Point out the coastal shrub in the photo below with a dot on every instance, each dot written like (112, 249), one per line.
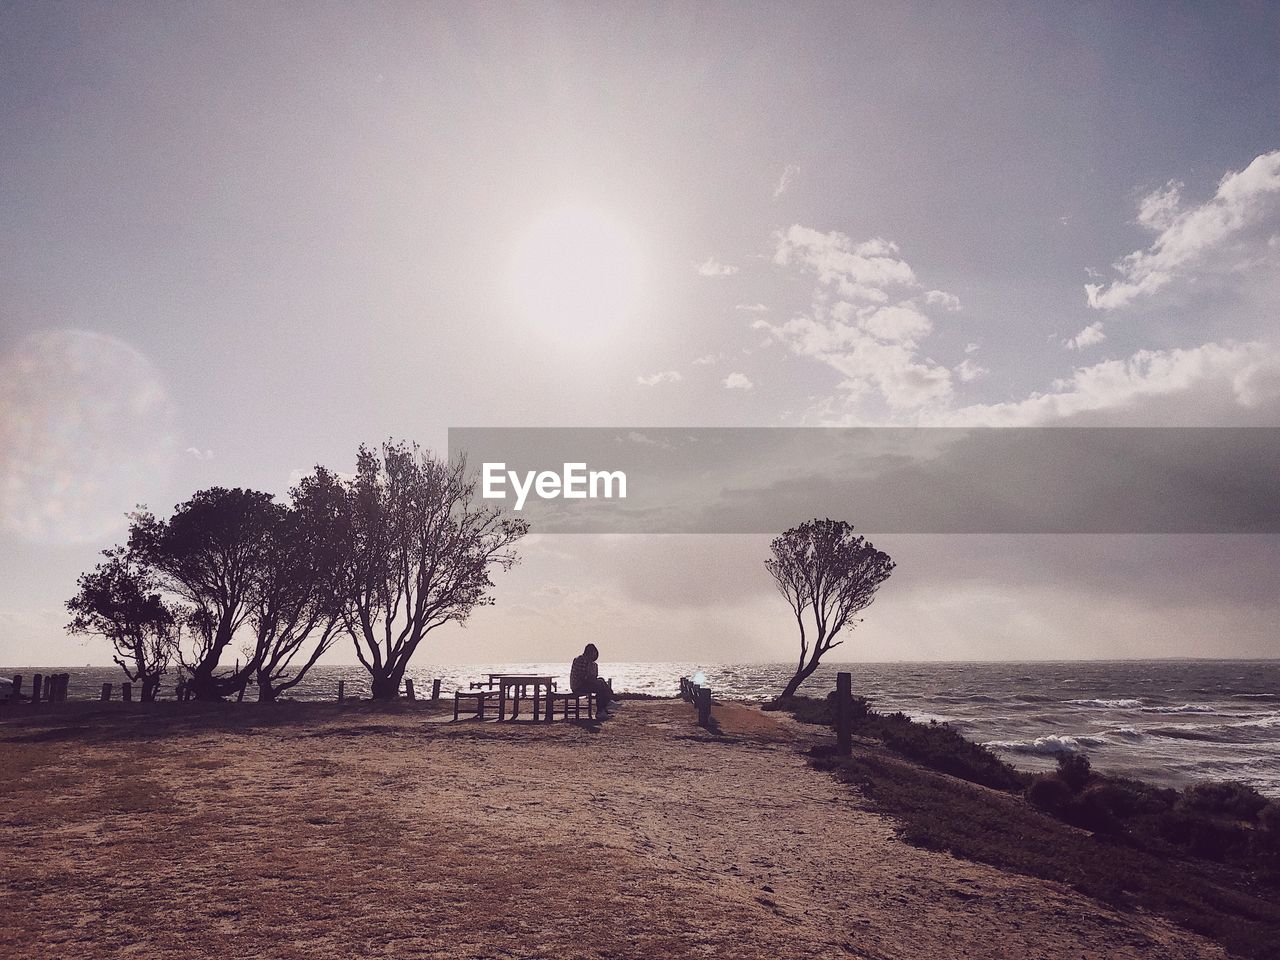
(940, 747)
(804, 709)
(1049, 793)
(1224, 798)
(1093, 809)
(1074, 770)
(1269, 817)
(935, 745)
(1205, 836)
(1134, 798)
(1106, 805)
(1234, 902)
(861, 706)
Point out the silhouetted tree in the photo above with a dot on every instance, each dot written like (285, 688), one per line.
(297, 604)
(821, 567)
(121, 601)
(211, 555)
(419, 551)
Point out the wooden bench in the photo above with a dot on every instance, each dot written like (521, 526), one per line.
(567, 699)
(479, 696)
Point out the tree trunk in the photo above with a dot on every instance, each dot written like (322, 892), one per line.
(387, 685)
(801, 676)
(266, 692)
(202, 685)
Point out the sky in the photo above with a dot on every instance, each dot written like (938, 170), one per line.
(238, 240)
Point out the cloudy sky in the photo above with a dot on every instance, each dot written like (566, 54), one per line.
(237, 240)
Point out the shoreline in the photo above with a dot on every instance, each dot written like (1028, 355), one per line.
(1171, 722)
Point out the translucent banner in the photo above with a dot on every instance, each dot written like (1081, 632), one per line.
(891, 480)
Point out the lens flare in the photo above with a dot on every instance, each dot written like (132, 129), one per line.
(86, 433)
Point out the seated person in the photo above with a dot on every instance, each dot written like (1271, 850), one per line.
(584, 677)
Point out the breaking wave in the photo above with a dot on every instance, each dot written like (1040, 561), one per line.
(1124, 704)
(1046, 746)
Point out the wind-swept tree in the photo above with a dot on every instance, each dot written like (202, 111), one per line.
(121, 601)
(296, 607)
(210, 555)
(828, 574)
(419, 554)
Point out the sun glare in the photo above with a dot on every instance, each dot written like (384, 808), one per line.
(575, 271)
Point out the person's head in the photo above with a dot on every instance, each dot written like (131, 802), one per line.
(591, 653)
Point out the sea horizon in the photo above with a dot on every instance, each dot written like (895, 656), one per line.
(1172, 721)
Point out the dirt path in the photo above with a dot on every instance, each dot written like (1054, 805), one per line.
(363, 833)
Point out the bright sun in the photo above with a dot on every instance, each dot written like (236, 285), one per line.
(575, 271)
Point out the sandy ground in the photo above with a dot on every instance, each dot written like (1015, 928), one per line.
(329, 832)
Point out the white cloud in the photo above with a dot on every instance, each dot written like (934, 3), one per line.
(869, 318)
(737, 381)
(199, 454)
(1158, 209)
(784, 182)
(941, 298)
(662, 376)
(711, 267)
(857, 271)
(752, 308)
(1192, 384)
(901, 323)
(1090, 336)
(1189, 236)
(870, 330)
(706, 360)
(968, 371)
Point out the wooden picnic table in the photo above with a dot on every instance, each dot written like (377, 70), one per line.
(518, 683)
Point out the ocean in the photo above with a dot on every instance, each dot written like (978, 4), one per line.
(1168, 721)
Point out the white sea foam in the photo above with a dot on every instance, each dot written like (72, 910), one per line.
(1185, 708)
(1127, 733)
(923, 716)
(1046, 746)
(1125, 704)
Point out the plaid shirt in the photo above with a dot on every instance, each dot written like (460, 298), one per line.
(583, 674)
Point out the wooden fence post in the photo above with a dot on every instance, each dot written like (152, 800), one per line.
(435, 690)
(844, 714)
(342, 690)
(704, 706)
(17, 686)
(126, 692)
(106, 693)
(37, 681)
(408, 689)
